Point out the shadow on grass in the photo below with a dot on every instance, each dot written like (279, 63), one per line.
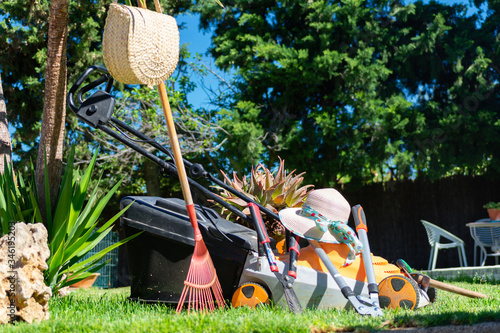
(444, 319)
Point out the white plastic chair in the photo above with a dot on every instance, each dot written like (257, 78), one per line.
(485, 236)
(434, 234)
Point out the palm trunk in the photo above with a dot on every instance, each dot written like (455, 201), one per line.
(5, 143)
(50, 150)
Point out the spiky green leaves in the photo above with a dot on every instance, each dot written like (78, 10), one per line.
(73, 225)
(273, 190)
(74, 231)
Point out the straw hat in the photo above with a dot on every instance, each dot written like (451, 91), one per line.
(320, 204)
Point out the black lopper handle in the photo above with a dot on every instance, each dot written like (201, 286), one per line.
(294, 250)
(262, 235)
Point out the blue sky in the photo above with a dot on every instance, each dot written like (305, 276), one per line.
(199, 42)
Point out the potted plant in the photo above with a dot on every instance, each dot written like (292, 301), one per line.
(87, 282)
(493, 209)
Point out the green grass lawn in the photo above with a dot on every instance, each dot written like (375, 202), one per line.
(108, 310)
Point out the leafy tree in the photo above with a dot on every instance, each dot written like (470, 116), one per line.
(36, 75)
(446, 63)
(23, 58)
(352, 90)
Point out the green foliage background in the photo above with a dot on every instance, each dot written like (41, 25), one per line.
(349, 91)
(360, 91)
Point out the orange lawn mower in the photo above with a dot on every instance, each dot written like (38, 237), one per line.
(326, 272)
(188, 254)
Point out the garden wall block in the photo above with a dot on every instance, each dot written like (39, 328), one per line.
(23, 259)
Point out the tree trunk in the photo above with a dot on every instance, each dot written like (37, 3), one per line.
(5, 144)
(54, 107)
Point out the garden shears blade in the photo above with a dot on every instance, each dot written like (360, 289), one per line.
(362, 305)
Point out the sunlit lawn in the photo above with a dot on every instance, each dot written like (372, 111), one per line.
(96, 310)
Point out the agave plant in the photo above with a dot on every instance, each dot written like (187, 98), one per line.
(73, 225)
(17, 199)
(275, 191)
(73, 228)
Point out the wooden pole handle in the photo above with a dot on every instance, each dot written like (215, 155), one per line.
(456, 290)
(174, 143)
(179, 162)
(451, 288)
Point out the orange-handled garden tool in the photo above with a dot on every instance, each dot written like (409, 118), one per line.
(360, 221)
(291, 298)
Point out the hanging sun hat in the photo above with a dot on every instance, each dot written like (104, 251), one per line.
(323, 217)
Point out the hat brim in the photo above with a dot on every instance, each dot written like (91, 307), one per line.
(303, 226)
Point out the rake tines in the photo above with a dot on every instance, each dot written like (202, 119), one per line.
(201, 282)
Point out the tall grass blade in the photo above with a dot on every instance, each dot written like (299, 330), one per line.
(37, 214)
(102, 204)
(82, 274)
(80, 192)
(48, 207)
(83, 221)
(55, 263)
(61, 214)
(17, 204)
(88, 241)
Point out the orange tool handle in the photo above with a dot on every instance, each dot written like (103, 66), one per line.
(359, 218)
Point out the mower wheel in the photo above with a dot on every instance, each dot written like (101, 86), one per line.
(398, 291)
(250, 294)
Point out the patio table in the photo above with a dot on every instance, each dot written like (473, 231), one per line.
(486, 235)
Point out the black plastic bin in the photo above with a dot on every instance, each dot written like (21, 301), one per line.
(159, 259)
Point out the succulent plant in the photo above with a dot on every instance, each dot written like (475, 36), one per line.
(492, 205)
(275, 191)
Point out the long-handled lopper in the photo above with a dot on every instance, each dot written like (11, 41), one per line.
(290, 296)
(363, 305)
(360, 221)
